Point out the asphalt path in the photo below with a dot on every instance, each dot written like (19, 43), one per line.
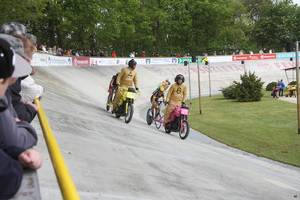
(109, 159)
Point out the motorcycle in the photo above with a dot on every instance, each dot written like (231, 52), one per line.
(125, 104)
(275, 92)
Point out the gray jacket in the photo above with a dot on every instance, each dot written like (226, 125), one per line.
(21, 133)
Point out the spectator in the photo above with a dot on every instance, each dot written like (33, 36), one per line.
(265, 50)
(122, 54)
(283, 49)
(44, 48)
(12, 157)
(68, 53)
(215, 53)
(64, 52)
(144, 54)
(94, 53)
(29, 90)
(178, 55)
(50, 50)
(136, 54)
(153, 54)
(77, 54)
(98, 54)
(113, 54)
(26, 111)
(242, 52)
(261, 51)
(13, 131)
(54, 51)
(281, 86)
(102, 54)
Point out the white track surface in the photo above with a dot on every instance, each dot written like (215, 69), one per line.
(109, 159)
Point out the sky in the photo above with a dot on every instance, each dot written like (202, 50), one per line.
(296, 2)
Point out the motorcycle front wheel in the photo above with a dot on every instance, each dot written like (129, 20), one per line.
(149, 117)
(183, 134)
(129, 114)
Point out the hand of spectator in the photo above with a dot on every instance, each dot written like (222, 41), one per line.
(32, 104)
(30, 158)
(16, 119)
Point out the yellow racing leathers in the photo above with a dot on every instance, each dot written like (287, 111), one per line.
(176, 95)
(125, 79)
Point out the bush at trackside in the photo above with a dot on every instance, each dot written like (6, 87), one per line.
(249, 89)
(228, 91)
(270, 86)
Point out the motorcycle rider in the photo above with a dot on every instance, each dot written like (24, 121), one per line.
(125, 79)
(176, 95)
(156, 96)
(112, 86)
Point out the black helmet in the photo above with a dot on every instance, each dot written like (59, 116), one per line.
(131, 63)
(117, 73)
(179, 76)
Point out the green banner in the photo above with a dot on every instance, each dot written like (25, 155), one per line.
(189, 59)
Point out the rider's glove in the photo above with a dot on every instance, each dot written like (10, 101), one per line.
(183, 104)
(166, 103)
(117, 85)
(137, 89)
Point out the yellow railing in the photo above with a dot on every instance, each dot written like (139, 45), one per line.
(67, 187)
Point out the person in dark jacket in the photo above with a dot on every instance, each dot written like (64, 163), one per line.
(12, 157)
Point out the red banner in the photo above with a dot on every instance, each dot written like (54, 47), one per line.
(77, 61)
(254, 57)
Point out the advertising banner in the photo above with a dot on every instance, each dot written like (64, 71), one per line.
(254, 57)
(78, 61)
(189, 59)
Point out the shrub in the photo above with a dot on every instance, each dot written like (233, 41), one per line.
(270, 86)
(228, 91)
(293, 83)
(250, 88)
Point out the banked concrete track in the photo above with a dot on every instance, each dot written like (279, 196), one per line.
(109, 159)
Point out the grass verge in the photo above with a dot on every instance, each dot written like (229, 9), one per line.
(267, 128)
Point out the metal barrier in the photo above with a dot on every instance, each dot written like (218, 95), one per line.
(67, 187)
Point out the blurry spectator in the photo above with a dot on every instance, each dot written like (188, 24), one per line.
(131, 55)
(68, 53)
(265, 50)
(13, 131)
(64, 52)
(102, 54)
(143, 54)
(178, 55)
(153, 54)
(157, 55)
(242, 52)
(89, 53)
(270, 51)
(122, 54)
(136, 54)
(273, 51)
(12, 157)
(77, 54)
(29, 90)
(113, 54)
(237, 52)
(260, 51)
(26, 111)
(54, 50)
(40, 47)
(94, 53)
(283, 49)
(44, 48)
(251, 52)
(50, 50)
(215, 53)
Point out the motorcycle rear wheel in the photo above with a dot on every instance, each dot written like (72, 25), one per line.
(149, 117)
(157, 124)
(183, 134)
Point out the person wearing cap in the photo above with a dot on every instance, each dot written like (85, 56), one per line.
(14, 131)
(29, 90)
(25, 112)
(12, 157)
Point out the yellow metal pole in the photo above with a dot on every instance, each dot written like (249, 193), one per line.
(64, 179)
(297, 78)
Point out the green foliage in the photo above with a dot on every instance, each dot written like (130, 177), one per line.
(249, 89)
(293, 83)
(270, 86)
(164, 27)
(228, 92)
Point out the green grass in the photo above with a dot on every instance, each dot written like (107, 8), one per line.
(266, 128)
